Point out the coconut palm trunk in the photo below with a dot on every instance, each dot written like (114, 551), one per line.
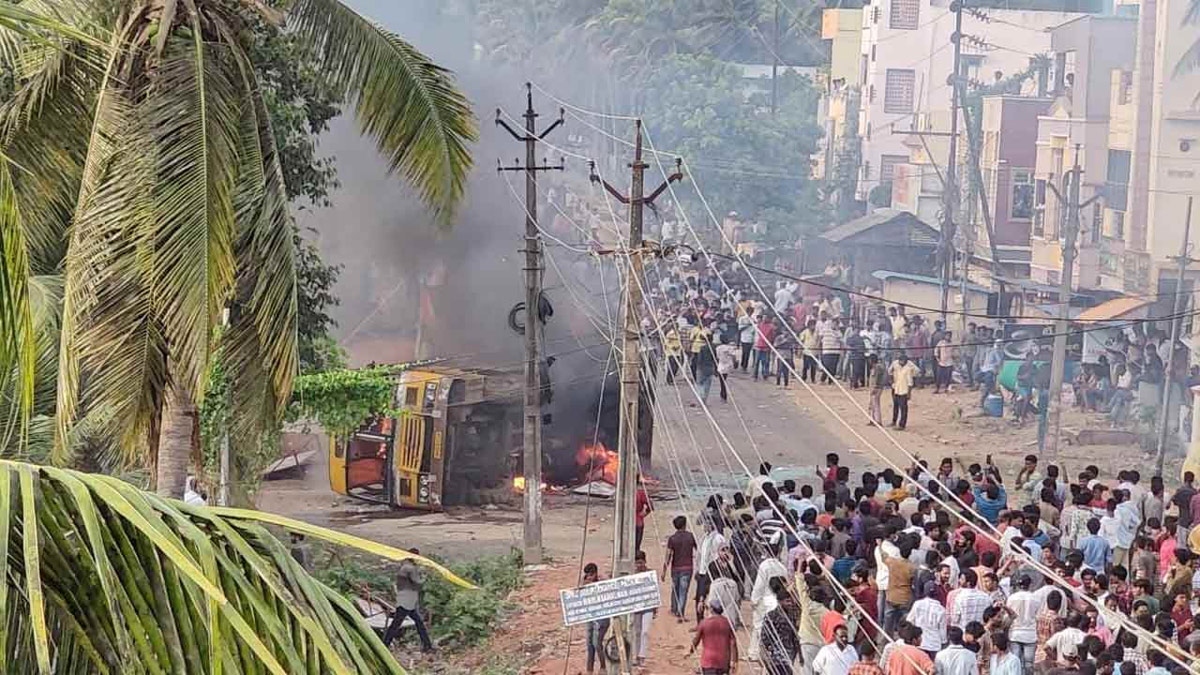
(175, 443)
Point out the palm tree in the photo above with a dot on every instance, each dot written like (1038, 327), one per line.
(99, 577)
(141, 175)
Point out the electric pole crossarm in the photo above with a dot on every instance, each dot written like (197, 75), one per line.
(505, 125)
(595, 178)
(554, 126)
(673, 178)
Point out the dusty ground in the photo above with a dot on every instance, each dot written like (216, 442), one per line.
(792, 429)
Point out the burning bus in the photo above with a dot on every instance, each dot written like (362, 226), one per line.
(456, 438)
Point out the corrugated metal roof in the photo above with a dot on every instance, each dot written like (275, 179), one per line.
(874, 219)
(1113, 309)
(884, 275)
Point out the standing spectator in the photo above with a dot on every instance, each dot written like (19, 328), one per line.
(780, 645)
(642, 621)
(943, 356)
(856, 348)
(903, 375)
(746, 336)
(763, 601)
(409, 579)
(1002, 661)
(867, 663)
(810, 343)
(673, 348)
(955, 659)
(989, 370)
(831, 350)
(704, 366)
(726, 364)
(681, 549)
(719, 655)
(762, 348)
(596, 630)
(785, 346)
(878, 382)
(1024, 607)
(1182, 499)
(642, 508)
(930, 616)
(837, 657)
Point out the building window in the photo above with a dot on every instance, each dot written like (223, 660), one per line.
(887, 166)
(875, 15)
(871, 93)
(1126, 92)
(1022, 195)
(905, 15)
(873, 52)
(1118, 224)
(1039, 221)
(1116, 190)
(898, 91)
(1097, 222)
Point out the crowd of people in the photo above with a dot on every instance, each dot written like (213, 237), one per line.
(821, 333)
(949, 570)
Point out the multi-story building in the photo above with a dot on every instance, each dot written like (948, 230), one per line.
(837, 152)
(1092, 55)
(907, 57)
(1167, 145)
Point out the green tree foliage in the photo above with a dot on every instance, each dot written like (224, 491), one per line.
(151, 183)
(99, 577)
(748, 160)
(676, 63)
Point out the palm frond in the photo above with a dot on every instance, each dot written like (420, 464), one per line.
(18, 345)
(192, 117)
(104, 211)
(409, 105)
(99, 577)
(260, 343)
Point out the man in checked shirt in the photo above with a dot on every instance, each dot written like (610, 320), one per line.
(968, 603)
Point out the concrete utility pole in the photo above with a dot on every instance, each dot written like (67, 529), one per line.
(1058, 364)
(631, 358)
(533, 347)
(950, 188)
(775, 64)
(1176, 322)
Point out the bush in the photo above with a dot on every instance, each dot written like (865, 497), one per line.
(457, 617)
(461, 617)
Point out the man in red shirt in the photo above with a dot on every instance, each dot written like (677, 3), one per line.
(762, 348)
(719, 653)
(640, 511)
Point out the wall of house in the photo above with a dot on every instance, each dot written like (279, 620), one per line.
(910, 293)
(1010, 124)
(1175, 134)
(927, 52)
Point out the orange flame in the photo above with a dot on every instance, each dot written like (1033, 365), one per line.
(597, 462)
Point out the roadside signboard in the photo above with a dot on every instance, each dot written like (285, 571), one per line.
(609, 598)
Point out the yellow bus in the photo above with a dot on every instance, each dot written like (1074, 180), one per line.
(455, 431)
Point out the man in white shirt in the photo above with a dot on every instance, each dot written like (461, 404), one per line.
(762, 600)
(955, 659)
(886, 549)
(929, 615)
(1023, 634)
(1065, 643)
(1128, 520)
(837, 657)
(1002, 661)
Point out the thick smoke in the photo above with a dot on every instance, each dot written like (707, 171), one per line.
(389, 247)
